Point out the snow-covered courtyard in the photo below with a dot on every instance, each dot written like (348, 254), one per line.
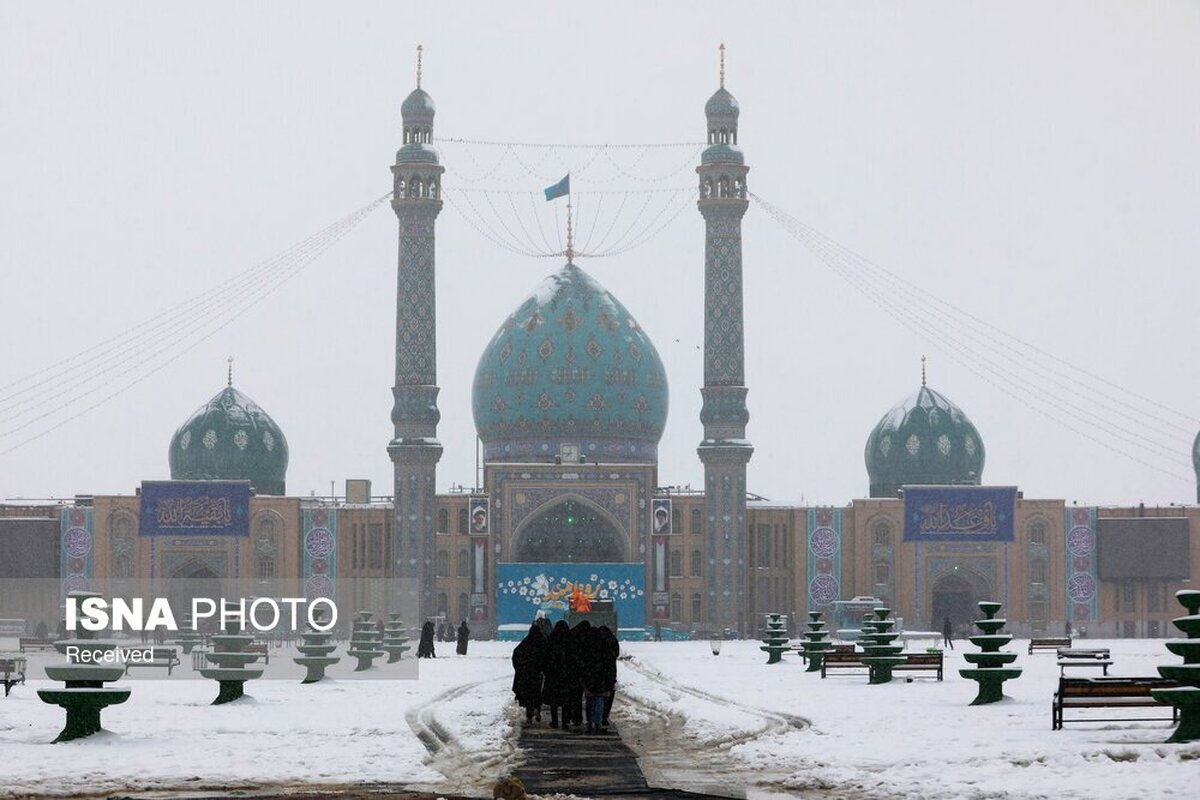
(727, 723)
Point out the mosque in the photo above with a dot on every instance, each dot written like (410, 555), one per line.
(570, 399)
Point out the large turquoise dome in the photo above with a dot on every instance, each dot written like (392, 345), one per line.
(570, 367)
(230, 438)
(924, 440)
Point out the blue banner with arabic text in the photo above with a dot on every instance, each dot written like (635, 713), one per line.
(959, 513)
(195, 508)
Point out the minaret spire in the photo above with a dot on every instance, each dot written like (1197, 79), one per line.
(414, 448)
(922, 370)
(570, 232)
(229, 372)
(725, 450)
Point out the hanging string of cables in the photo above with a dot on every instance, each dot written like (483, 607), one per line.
(111, 367)
(1071, 396)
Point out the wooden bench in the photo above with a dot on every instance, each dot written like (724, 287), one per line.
(159, 657)
(1049, 644)
(1098, 657)
(25, 643)
(13, 672)
(840, 659)
(1108, 693)
(917, 662)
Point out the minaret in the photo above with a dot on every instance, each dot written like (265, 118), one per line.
(725, 450)
(415, 449)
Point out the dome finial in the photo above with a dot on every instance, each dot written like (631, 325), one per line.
(922, 370)
(420, 48)
(722, 48)
(229, 372)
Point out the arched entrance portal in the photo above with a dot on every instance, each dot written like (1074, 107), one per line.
(191, 580)
(570, 532)
(956, 597)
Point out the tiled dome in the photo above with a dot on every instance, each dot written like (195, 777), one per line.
(570, 366)
(231, 438)
(925, 439)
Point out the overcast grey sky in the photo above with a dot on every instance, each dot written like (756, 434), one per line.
(1033, 163)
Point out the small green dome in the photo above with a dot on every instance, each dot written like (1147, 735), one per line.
(230, 438)
(570, 366)
(722, 104)
(418, 106)
(924, 440)
(722, 154)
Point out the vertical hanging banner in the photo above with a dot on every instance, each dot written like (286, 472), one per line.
(661, 514)
(479, 516)
(824, 559)
(75, 553)
(1082, 602)
(319, 527)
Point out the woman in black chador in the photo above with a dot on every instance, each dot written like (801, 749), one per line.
(529, 662)
(581, 657)
(425, 646)
(464, 633)
(562, 672)
(611, 650)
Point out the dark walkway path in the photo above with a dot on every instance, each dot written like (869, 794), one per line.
(566, 762)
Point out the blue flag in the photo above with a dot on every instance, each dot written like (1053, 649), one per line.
(560, 188)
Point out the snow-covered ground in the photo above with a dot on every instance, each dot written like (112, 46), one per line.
(696, 720)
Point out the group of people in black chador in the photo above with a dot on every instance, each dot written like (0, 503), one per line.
(571, 670)
(425, 645)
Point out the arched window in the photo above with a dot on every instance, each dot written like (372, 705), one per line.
(400, 185)
(676, 606)
(676, 564)
(464, 606)
(697, 521)
(464, 565)
(443, 564)
(266, 548)
(1037, 533)
(443, 523)
(881, 534)
(676, 520)
(697, 564)
(697, 608)
(463, 520)
(443, 604)
(120, 542)
(1037, 571)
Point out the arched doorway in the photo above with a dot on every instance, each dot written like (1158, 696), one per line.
(957, 596)
(570, 531)
(191, 580)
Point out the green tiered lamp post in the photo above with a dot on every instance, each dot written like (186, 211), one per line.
(1187, 696)
(84, 675)
(231, 672)
(364, 641)
(316, 652)
(395, 638)
(775, 640)
(815, 645)
(188, 636)
(880, 652)
(989, 669)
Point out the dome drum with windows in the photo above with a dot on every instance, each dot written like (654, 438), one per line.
(231, 438)
(924, 440)
(570, 367)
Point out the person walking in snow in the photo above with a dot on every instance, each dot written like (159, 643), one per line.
(425, 645)
(948, 633)
(464, 634)
(529, 663)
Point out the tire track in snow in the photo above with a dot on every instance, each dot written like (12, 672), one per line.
(463, 768)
